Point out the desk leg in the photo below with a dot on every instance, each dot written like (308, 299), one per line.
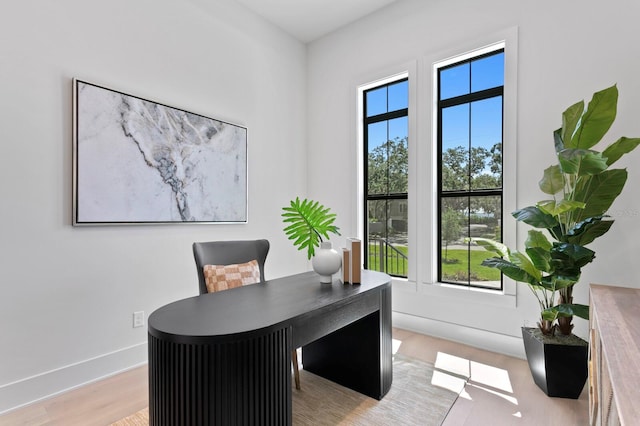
(359, 355)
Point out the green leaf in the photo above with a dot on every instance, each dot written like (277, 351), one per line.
(523, 262)
(510, 270)
(569, 258)
(617, 149)
(307, 222)
(540, 258)
(588, 230)
(537, 247)
(493, 246)
(597, 119)
(549, 314)
(548, 283)
(537, 239)
(566, 310)
(555, 282)
(581, 162)
(535, 217)
(558, 142)
(570, 120)
(552, 181)
(598, 192)
(555, 209)
(564, 281)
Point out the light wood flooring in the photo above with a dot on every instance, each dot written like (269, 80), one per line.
(499, 392)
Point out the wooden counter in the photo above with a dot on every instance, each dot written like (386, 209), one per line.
(614, 356)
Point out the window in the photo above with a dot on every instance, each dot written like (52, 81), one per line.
(470, 111)
(386, 137)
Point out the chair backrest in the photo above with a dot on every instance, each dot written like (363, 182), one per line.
(227, 253)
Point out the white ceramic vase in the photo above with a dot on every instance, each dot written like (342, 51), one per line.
(326, 262)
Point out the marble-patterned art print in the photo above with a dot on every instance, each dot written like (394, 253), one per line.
(138, 161)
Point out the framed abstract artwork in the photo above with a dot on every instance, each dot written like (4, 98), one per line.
(136, 161)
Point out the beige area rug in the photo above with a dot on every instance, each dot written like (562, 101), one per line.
(141, 418)
(420, 395)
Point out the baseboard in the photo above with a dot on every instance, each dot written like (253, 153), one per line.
(494, 342)
(35, 388)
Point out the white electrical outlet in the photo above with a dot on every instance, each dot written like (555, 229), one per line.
(138, 319)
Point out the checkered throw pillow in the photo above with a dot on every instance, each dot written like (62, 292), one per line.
(223, 277)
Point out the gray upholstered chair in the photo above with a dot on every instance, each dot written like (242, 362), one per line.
(222, 253)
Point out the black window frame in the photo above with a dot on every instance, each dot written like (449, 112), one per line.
(441, 194)
(386, 116)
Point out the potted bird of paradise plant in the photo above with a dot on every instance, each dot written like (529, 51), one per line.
(580, 189)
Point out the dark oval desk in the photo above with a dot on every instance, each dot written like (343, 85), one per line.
(225, 358)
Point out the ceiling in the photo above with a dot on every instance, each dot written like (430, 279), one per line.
(308, 20)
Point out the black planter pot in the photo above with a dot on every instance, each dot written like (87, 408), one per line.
(559, 365)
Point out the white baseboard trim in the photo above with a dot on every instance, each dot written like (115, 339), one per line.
(44, 385)
(487, 340)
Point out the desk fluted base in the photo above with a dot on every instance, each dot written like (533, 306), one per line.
(245, 382)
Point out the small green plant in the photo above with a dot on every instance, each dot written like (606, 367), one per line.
(580, 188)
(308, 221)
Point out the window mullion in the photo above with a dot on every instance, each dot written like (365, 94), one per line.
(470, 146)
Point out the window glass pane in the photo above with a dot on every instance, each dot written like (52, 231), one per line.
(377, 219)
(399, 96)
(377, 161)
(486, 143)
(462, 217)
(454, 81)
(485, 213)
(398, 128)
(454, 223)
(376, 134)
(387, 236)
(398, 157)
(455, 151)
(376, 101)
(484, 221)
(487, 72)
(377, 158)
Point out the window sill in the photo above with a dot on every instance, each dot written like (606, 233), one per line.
(467, 294)
(459, 294)
(404, 284)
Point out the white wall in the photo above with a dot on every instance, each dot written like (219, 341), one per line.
(567, 50)
(68, 294)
